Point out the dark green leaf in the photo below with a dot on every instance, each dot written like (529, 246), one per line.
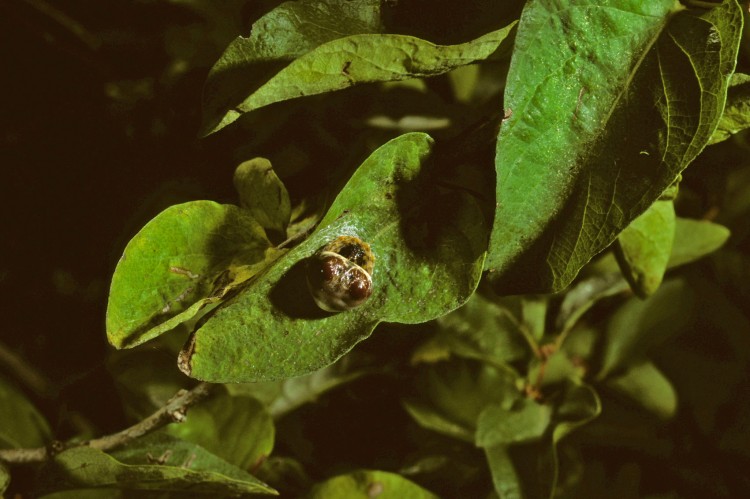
(238, 429)
(499, 425)
(646, 385)
(643, 248)
(263, 194)
(429, 249)
(736, 115)
(369, 484)
(84, 467)
(483, 330)
(452, 395)
(611, 101)
(187, 257)
(284, 34)
(283, 396)
(639, 325)
(363, 58)
(21, 425)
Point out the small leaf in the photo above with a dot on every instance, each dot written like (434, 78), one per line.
(736, 115)
(643, 248)
(263, 195)
(428, 246)
(647, 386)
(282, 35)
(84, 467)
(21, 425)
(189, 256)
(694, 239)
(364, 58)
(499, 425)
(369, 484)
(611, 101)
(238, 429)
(427, 417)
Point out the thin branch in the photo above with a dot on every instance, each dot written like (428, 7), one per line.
(66, 22)
(173, 412)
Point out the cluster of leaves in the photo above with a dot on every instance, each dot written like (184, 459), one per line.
(525, 346)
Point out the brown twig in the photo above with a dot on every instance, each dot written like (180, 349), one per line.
(173, 412)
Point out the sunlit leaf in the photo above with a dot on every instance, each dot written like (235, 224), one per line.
(610, 102)
(189, 256)
(84, 467)
(358, 59)
(282, 35)
(263, 195)
(643, 248)
(429, 249)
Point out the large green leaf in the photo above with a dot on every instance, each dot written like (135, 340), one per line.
(429, 248)
(610, 101)
(368, 484)
(186, 258)
(238, 429)
(736, 115)
(4, 479)
(287, 32)
(21, 425)
(194, 471)
(357, 59)
(499, 425)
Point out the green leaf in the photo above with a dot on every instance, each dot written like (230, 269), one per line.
(505, 476)
(498, 425)
(282, 35)
(362, 58)
(283, 396)
(368, 484)
(736, 115)
(580, 406)
(429, 248)
(611, 101)
(482, 330)
(21, 425)
(4, 479)
(452, 395)
(263, 195)
(189, 256)
(694, 239)
(646, 385)
(639, 325)
(236, 428)
(644, 247)
(84, 467)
